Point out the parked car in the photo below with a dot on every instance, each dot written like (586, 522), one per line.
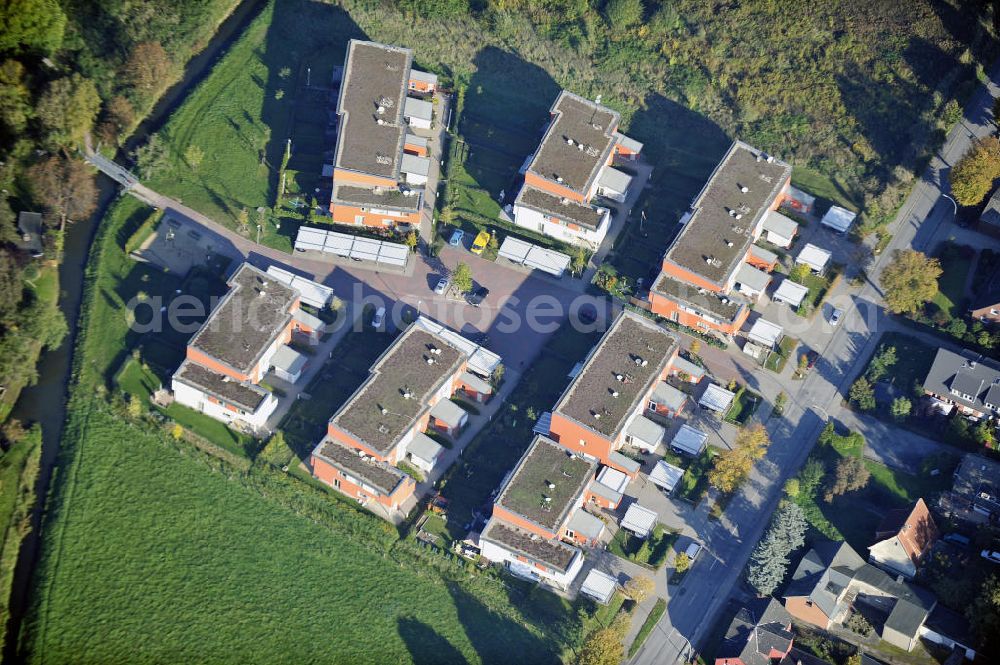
(693, 550)
(456, 238)
(479, 244)
(957, 539)
(441, 286)
(477, 296)
(990, 555)
(378, 320)
(836, 315)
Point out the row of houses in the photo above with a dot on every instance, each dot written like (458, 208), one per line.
(545, 512)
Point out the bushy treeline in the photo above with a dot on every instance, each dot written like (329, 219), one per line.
(68, 69)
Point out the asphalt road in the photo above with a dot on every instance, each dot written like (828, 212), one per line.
(694, 607)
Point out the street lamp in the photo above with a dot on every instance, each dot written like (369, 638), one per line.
(953, 203)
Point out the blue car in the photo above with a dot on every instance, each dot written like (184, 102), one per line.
(456, 238)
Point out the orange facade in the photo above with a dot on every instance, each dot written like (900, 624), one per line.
(760, 264)
(688, 277)
(349, 214)
(607, 504)
(345, 176)
(336, 479)
(502, 513)
(421, 86)
(254, 376)
(418, 150)
(579, 439)
(553, 188)
(668, 309)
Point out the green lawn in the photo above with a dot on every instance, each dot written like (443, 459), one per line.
(778, 358)
(744, 405)
(647, 626)
(956, 261)
(651, 552)
(913, 359)
(819, 287)
(694, 483)
(179, 564)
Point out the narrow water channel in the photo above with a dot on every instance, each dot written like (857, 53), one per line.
(45, 402)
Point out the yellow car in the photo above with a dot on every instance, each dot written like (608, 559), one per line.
(479, 244)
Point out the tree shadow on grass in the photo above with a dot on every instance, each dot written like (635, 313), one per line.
(426, 646)
(496, 638)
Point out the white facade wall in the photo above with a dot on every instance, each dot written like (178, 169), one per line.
(498, 554)
(418, 122)
(196, 399)
(780, 241)
(415, 179)
(265, 360)
(533, 220)
(611, 194)
(890, 554)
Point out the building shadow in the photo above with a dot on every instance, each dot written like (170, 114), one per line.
(497, 639)
(425, 645)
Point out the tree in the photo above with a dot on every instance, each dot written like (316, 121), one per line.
(639, 588)
(607, 277)
(984, 615)
(151, 157)
(147, 67)
(793, 487)
(996, 111)
(849, 475)
(811, 476)
(900, 408)
(623, 14)
(15, 98)
(769, 560)
(732, 467)
(799, 273)
(31, 26)
(972, 177)
(984, 434)
(881, 363)
(604, 646)
(64, 187)
(11, 287)
(176, 431)
(461, 279)
(411, 240)
(682, 563)
(909, 281)
(67, 109)
(862, 394)
(193, 156)
(579, 261)
(133, 407)
(117, 118)
(695, 347)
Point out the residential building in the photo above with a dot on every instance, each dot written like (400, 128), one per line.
(904, 537)
(989, 220)
(378, 170)
(571, 167)
(832, 581)
(29, 233)
(244, 337)
(407, 393)
(966, 382)
(975, 492)
(708, 279)
(986, 308)
(761, 634)
(613, 388)
(538, 524)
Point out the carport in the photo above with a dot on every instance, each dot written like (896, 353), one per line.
(839, 219)
(312, 293)
(790, 292)
(666, 476)
(639, 520)
(532, 256)
(766, 334)
(689, 440)
(716, 398)
(644, 434)
(599, 586)
(815, 257)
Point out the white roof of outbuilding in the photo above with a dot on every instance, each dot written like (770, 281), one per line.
(482, 361)
(599, 586)
(689, 439)
(613, 478)
(765, 333)
(533, 256)
(639, 520)
(355, 247)
(615, 180)
(839, 219)
(762, 254)
(814, 257)
(418, 108)
(419, 141)
(448, 412)
(415, 165)
(775, 222)
(716, 398)
(668, 396)
(479, 384)
(688, 367)
(666, 475)
(646, 430)
(752, 278)
(424, 447)
(629, 143)
(312, 293)
(304, 317)
(288, 359)
(790, 292)
(585, 524)
(417, 75)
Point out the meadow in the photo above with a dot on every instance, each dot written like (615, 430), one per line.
(855, 96)
(154, 550)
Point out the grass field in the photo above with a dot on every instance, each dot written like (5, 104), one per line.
(956, 261)
(153, 551)
(152, 557)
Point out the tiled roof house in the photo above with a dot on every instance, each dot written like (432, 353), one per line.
(904, 536)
